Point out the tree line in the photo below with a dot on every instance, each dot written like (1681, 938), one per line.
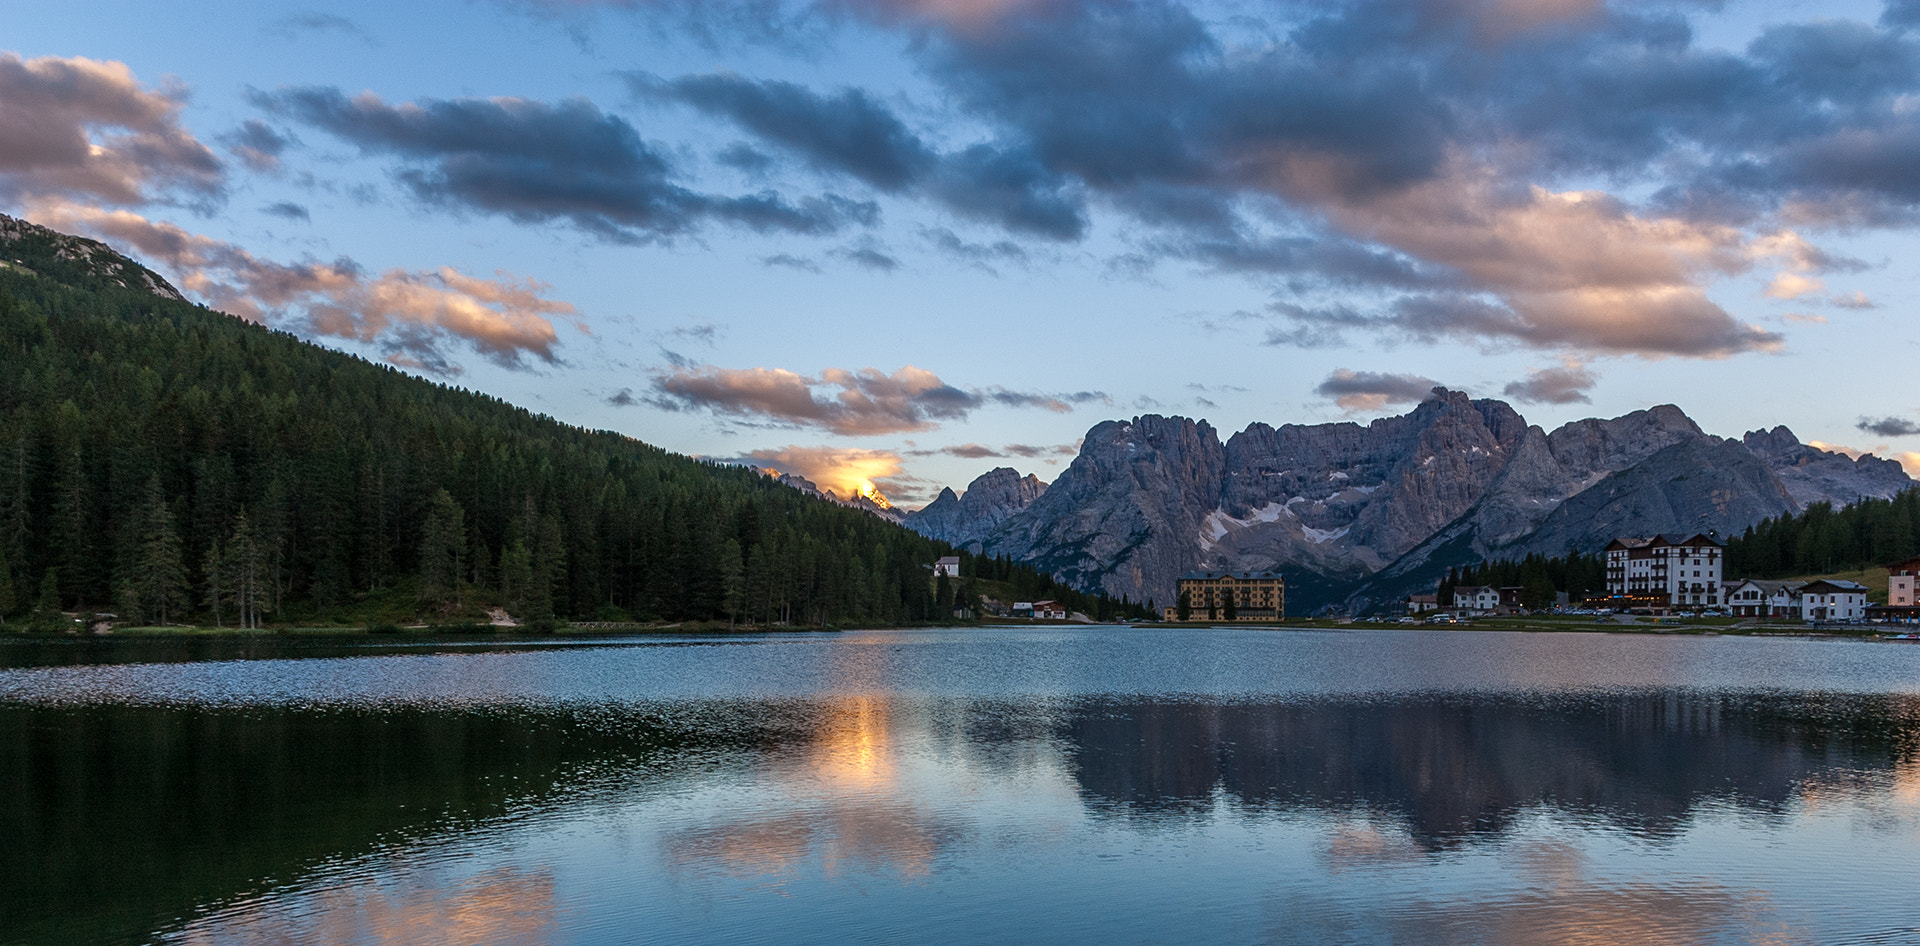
(167, 462)
(1822, 539)
(1538, 577)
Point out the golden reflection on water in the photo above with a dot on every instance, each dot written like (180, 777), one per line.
(837, 802)
(506, 906)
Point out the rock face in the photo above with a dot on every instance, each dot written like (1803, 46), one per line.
(80, 257)
(1383, 509)
(967, 520)
(1812, 475)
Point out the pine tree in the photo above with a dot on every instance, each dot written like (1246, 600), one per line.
(443, 544)
(159, 583)
(733, 584)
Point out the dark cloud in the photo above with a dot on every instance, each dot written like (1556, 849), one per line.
(1889, 426)
(869, 256)
(287, 210)
(1567, 384)
(1371, 391)
(623, 398)
(791, 261)
(1403, 145)
(849, 132)
(1031, 451)
(537, 161)
(296, 25)
(846, 131)
(851, 403)
(257, 145)
(982, 255)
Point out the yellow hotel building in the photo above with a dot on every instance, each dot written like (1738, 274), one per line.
(1256, 596)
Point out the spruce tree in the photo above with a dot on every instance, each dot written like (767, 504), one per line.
(159, 583)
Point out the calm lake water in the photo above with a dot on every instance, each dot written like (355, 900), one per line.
(1098, 785)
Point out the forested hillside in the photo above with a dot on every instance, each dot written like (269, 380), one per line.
(1824, 539)
(168, 462)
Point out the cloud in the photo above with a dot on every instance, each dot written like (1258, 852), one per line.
(850, 403)
(1567, 384)
(286, 210)
(1371, 391)
(791, 261)
(981, 255)
(1031, 451)
(868, 255)
(257, 145)
(1889, 426)
(1240, 143)
(846, 471)
(1851, 300)
(535, 161)
(850, 132)
(296, 25)
(1909, 461)
(411, 315)
(88, 129)
(622, 398)
(975, 451)
(1805, 318)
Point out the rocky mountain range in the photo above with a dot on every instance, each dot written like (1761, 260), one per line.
(1363, 514)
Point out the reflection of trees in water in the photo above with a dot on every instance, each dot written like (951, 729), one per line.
(1456, 768)
(119, 818)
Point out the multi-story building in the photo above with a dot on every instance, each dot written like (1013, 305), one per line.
(1476, 598)
(1901, 578)
(1830, 599)
(1254, 596)
(1763, 599)
(1667, 570)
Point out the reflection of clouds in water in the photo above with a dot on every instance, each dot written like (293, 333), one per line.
(1559, 900)
(838, 801)
(840, 836)
(395, 904)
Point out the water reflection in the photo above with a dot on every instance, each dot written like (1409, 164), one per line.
(410, 905)
(1458, 768)
(522, 811)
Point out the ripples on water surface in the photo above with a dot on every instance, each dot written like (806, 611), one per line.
(961, 786)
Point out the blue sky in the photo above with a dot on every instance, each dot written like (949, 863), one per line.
(909, 240)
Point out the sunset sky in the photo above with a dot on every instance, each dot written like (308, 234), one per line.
(909, 240)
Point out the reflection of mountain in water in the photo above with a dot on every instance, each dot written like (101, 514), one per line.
(1457, 768)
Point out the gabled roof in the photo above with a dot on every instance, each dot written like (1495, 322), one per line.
(1832, 586)
(1242, 576)
(1770, 587)
(1909, 566)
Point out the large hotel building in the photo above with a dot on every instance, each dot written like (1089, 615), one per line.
(1252, 596)
(1669, 571)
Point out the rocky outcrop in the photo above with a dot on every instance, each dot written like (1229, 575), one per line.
(1812, 475)
(1387, 507)
(1124, 516)
(1700, 485)
(78, 258)
(967, 520)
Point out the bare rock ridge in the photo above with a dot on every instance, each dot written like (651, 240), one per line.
(1367, 513)
(90, 258)
(1812, 475)
(967, 520)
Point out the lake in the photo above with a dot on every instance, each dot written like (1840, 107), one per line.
(990, 785)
